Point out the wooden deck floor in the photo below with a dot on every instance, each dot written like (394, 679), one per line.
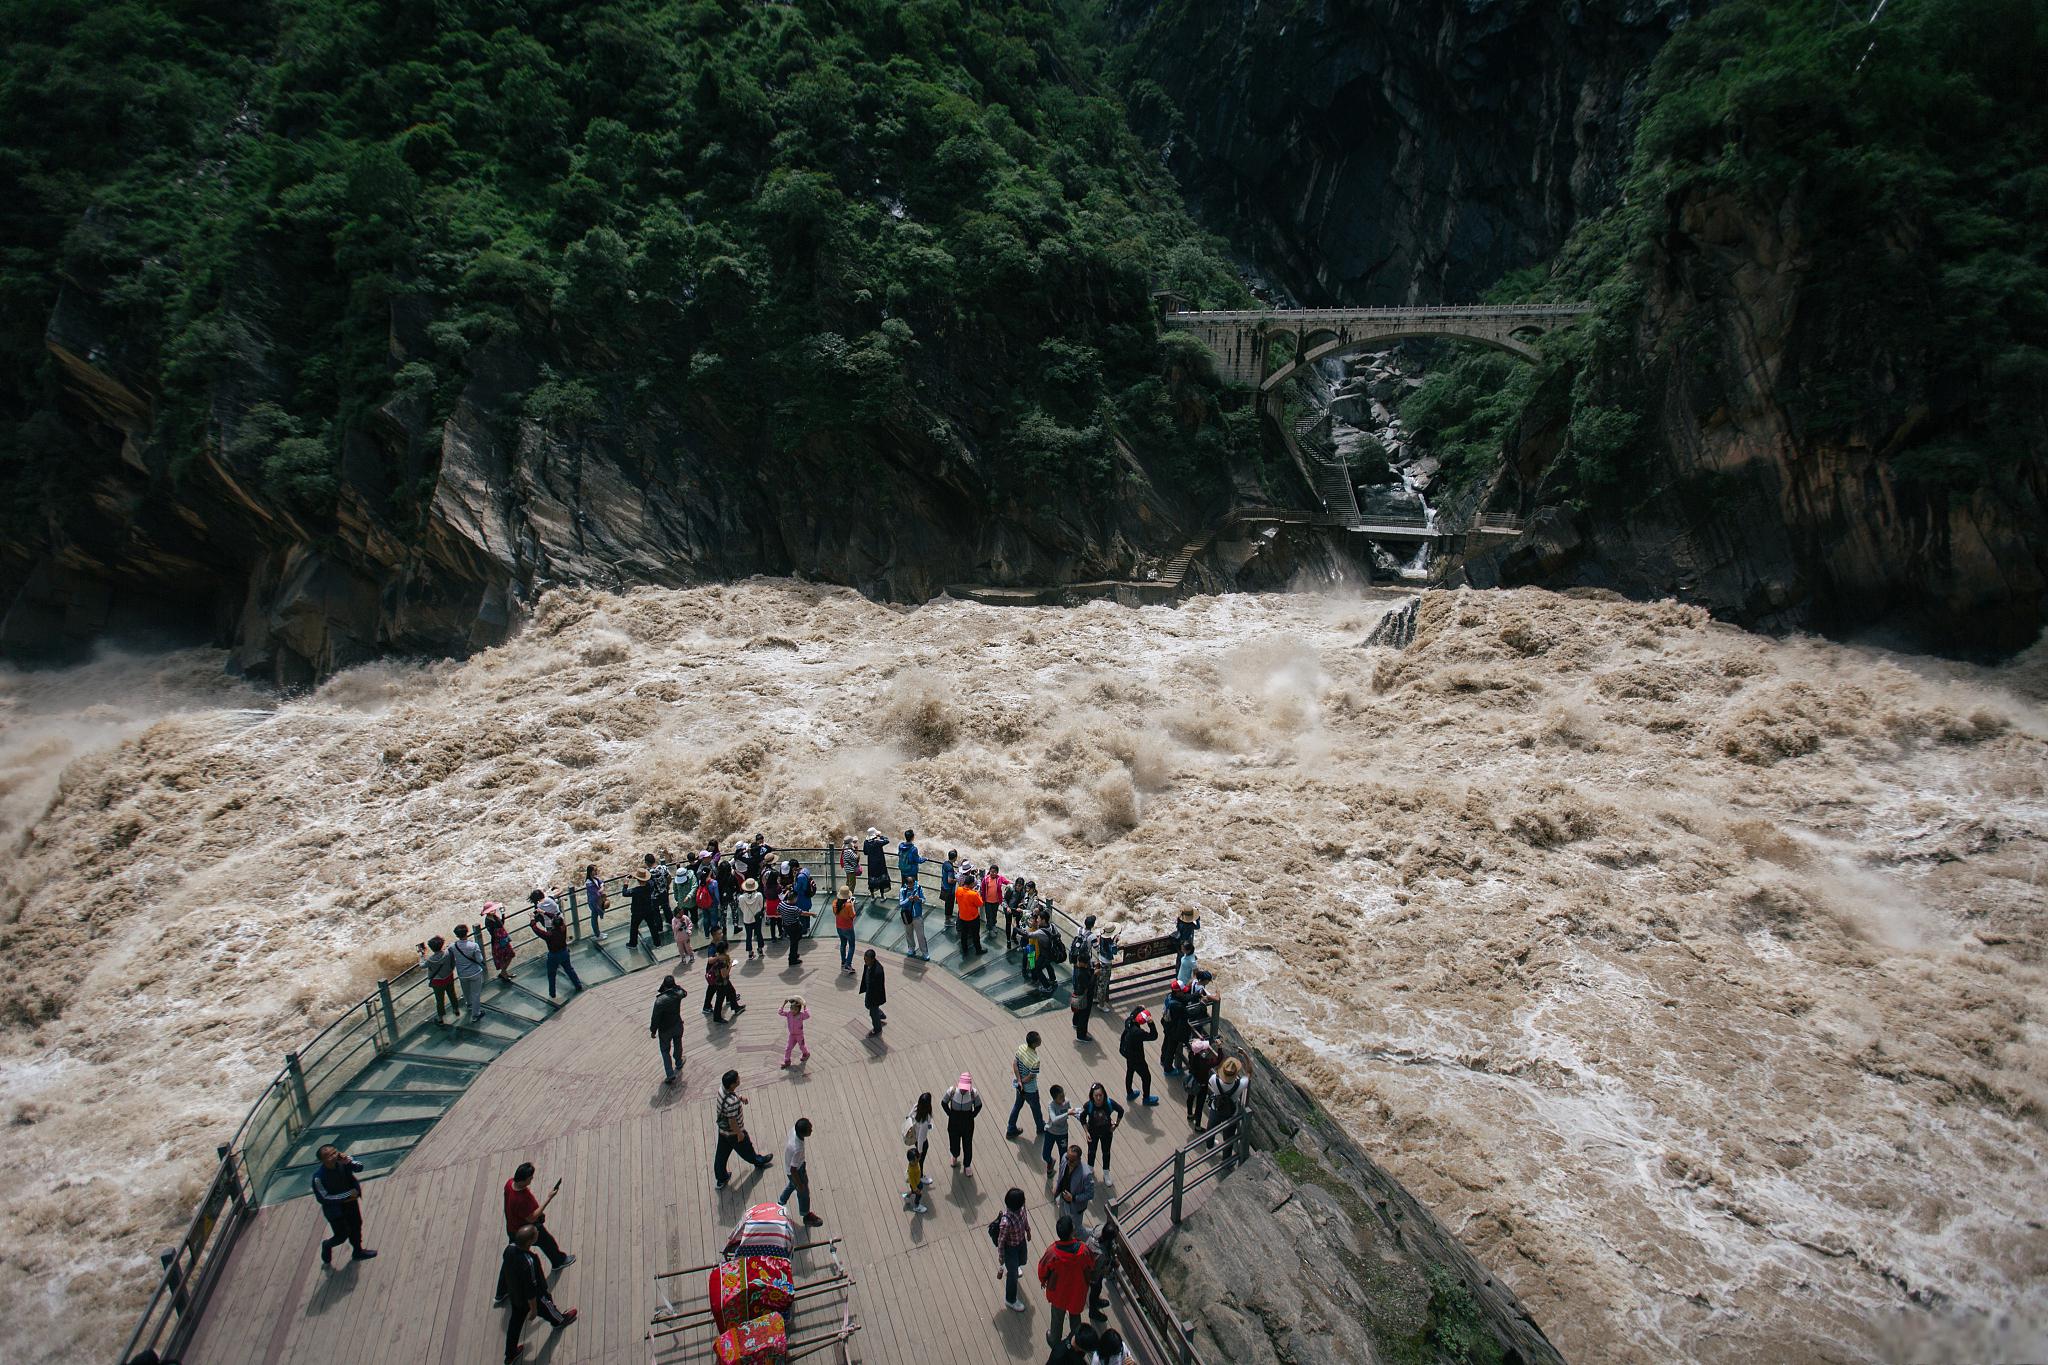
(581, 1098)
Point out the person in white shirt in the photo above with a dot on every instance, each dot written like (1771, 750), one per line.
(796, 1161)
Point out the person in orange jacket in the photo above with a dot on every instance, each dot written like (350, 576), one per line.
(1063, 1272)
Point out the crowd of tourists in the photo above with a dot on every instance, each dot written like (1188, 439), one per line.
(702, 903)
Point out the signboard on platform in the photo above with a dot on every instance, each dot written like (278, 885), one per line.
(1144, 950)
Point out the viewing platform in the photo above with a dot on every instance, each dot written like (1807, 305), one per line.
(582, 1099)
(439, 1117)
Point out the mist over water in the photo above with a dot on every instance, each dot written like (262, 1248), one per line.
(1693, 977)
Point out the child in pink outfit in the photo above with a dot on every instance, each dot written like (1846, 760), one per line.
(794, 1013)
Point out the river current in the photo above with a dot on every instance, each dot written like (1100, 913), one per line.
(1694, 978)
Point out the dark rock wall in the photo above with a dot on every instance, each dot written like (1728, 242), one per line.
(443, 530)
(1393, 151)
(1736, 502)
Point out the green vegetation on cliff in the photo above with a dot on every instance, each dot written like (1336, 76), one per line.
(853, 230)
(1892, 177)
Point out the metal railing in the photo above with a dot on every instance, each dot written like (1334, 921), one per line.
(1163, 1190)
(1382, 313)
(368, 1032)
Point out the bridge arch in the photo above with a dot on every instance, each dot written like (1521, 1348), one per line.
(1515, 343)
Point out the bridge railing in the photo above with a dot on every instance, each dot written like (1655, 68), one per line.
(1432, 311)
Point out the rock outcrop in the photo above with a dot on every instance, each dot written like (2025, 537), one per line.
(1380, 151)
(1310, 1254)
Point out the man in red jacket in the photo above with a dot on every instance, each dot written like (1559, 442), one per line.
(1063, 1270)
(522, 1208)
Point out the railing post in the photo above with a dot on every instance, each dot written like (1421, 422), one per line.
(301, 1105)
(832, 868)
(390, 1015)
(1180, 1174)
(235, 1191)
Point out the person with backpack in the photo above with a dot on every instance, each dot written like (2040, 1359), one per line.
(1024, 1068)
(704, 899)
(526, 1290)
(1138, 1031)
(1010, 1230)
(908, 859)
(439, 965)
(665, 1026)
(949, 882)
(595, 898)
(1081, 993)
(718, 988)
(874, 992)
(1227, 1089)
(911, 906)
(754, 856)
(962, 1105)
(1100, 1117)
(1063, 1272)
(917, 1144)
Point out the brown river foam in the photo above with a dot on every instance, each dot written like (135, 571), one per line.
(1694, 978)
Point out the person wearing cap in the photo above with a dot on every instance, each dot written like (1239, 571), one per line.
(753, 909)
(1138, 1031)
(962, 1105)
(553, 931)
(877, 850)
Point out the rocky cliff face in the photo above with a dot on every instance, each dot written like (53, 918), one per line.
(509, 506)
(1391, 151)
(1741, 501)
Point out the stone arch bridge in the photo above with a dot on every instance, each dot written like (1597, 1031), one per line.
(1243, 340)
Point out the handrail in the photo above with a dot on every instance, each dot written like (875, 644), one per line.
(290, 1101)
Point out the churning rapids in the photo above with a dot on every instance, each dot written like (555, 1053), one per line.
(1695, 978)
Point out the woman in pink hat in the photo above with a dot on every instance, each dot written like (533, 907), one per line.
(962, 1104)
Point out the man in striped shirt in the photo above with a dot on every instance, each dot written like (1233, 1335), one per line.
(732, 1132)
